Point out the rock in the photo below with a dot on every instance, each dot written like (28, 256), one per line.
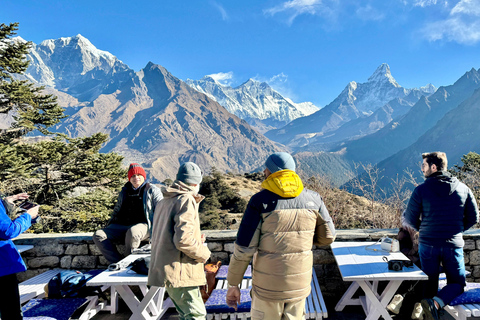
(48, 262)
(77, 249)
(84, 262)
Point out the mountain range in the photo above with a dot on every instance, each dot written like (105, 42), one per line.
(356, 101)
(256, 102)
(158, 120)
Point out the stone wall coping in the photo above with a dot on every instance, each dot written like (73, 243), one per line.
(224, 235)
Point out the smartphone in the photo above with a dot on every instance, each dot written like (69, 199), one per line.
(26, 205)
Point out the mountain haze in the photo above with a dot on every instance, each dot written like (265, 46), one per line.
(404, 131)
(456, 133)
(357, 100)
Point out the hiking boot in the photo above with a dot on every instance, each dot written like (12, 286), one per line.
(395, 304)
(429, 309)
(417, 311)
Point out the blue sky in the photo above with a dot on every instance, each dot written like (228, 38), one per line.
(307, 49)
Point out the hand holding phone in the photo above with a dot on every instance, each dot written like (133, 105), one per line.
(25, 205)
(31, 208)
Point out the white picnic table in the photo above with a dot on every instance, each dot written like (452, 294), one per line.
(152, 306)
(362, 263)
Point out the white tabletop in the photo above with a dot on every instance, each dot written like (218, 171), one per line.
(23, 247)
(359, 261)
(121, 277)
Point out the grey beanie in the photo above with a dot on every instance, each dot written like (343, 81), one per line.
(189, 173)
(280, 161)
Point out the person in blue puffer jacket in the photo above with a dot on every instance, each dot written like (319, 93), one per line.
(441, 209)
(10, 260)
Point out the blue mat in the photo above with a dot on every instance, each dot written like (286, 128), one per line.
(222, 272)
(216, 303)
(51, 309)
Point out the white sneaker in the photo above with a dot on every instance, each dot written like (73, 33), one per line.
(417, 311)
(395, 304)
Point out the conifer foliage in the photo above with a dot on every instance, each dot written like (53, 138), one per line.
(74, 183)
(20, 99)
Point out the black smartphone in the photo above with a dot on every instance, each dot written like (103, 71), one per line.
(27, 205)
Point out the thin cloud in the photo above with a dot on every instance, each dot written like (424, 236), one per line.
(221, 9)
(462, 24)
(292, 9)
(425, 3)
(370, 13)
(224, 78)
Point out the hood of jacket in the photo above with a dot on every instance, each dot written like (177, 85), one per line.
(285, 183)
(442, 183)
(179, 188)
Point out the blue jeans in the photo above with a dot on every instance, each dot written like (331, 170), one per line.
(431, 258)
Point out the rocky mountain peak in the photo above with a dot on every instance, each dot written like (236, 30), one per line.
(383, 74)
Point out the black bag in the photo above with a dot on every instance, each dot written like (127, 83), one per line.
(70, 284)
(141, 265)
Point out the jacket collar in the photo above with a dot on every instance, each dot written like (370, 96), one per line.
(285, 183)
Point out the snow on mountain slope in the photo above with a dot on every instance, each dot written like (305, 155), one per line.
(253, 101)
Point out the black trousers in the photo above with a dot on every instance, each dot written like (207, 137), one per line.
(10, 308)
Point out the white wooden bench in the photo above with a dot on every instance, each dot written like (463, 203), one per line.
(34, 288)
(464, 311)
(315, 307)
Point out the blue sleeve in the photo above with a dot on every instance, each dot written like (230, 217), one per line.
(10, 229)
(470, 216)
(414, 210)
(249, 224)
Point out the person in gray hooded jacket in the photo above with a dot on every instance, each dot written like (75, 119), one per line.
(441, 209)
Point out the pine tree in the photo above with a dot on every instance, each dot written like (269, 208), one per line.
(20, 100)
(75, 184)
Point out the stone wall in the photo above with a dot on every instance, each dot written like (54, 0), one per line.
(77, 251)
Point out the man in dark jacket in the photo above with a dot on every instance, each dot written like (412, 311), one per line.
(441, 209)
(132, 216)
(10, 261)
(278, 230)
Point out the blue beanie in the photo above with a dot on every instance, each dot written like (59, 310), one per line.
(189, 173)
(280, 161)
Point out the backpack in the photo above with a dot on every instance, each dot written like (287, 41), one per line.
(211, 270)
(70, 284)
(141, 265)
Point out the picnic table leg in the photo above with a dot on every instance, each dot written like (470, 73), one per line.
(346, 299)
(140, 312)
(113, 300)
(378, 309)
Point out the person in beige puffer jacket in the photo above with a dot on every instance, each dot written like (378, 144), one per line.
(178, 253)
(278, 229)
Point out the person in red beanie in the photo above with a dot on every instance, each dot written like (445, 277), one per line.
(132, 217)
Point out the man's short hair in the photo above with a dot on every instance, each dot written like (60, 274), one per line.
(439, 159)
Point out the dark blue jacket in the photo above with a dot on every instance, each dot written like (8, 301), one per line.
(10, 260)
(442, 208)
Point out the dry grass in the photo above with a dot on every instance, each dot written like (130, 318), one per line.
(348, 211)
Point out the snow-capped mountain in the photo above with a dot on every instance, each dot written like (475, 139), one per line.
(75, 66)
(356, 101)
(254, 101)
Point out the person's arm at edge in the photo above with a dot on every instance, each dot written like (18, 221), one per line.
(413, 211)
(116, 208)
(471, 215)
(324, 230)
(248, 237)
(11, 229)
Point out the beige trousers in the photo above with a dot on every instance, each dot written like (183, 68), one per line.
(271, 310)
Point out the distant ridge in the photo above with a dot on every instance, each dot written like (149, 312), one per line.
(256, 102)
